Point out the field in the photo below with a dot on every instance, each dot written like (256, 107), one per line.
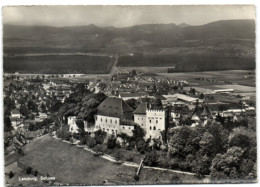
(241, 77)
(191, 63)
(75, 166)
(58, 64)
(143, 69)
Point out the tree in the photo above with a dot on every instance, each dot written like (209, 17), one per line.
(138, 133)
(31, 127)
(151, 158)
(80, 125)
(141, 146)
(24, 110)
(43, 107)
(227, 165)
(7, 124)
(207, 144)
(111, 142)
(28, 170)
(201, 96)
(11, 174)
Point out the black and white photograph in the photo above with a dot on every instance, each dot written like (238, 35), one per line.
(129, 94)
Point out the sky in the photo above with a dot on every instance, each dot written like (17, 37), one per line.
(123, 16)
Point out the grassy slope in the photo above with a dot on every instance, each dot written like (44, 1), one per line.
(68, 163)
(73, 165)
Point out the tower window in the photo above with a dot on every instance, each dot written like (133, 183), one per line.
(154, 128)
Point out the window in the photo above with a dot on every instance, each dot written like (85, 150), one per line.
(129, 127)
(154, 128)
(106, 120)
(156, 121)
(111, 121)
(150, 128)
(107, 130)
(116, 121)
(138, 118)
(123, 127)
(150, 121)
(100, 119)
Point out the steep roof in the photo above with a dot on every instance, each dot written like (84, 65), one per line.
(114, 107)
(202, 111)
(141, 109)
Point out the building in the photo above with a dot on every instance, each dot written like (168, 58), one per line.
(73, 127)
(201, 114)
(152, 121)
(126, 96)
(140, 115)
(15, 114)
(113, 116)
(181, 97)
(155, 123)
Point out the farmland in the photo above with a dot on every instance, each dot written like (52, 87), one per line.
(191, 63)
(54, 64)
(242, 77)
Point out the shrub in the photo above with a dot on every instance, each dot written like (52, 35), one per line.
(91, 142)
(136, 177)
(111, 143)
(11, 174)
(28, 170)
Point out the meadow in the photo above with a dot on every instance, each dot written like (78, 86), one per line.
(76, 166)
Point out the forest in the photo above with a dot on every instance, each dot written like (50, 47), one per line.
(58, 64)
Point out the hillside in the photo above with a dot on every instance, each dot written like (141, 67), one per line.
(223, 39)
(148, 37)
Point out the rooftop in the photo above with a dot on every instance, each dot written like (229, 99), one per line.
(141, 109)
(114, 107)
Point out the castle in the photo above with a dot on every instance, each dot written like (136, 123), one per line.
(115, 116)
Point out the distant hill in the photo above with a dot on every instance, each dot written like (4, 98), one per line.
(183, 25)
(225, 38)
(123, 40)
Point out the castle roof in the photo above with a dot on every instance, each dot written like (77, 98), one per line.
(141, 109)
(114, 107)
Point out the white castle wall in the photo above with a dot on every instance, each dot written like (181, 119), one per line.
(140, 120)
(107, 124)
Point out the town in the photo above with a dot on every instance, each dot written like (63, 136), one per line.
(149, 119)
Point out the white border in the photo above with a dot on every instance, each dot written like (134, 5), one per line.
(124, 2)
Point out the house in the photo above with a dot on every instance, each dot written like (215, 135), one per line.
(15, 114)
(181, 97)
(126, 96)
(73, 127)
(111, 114)
(200, 114)
(16, 122)
(233, 112)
